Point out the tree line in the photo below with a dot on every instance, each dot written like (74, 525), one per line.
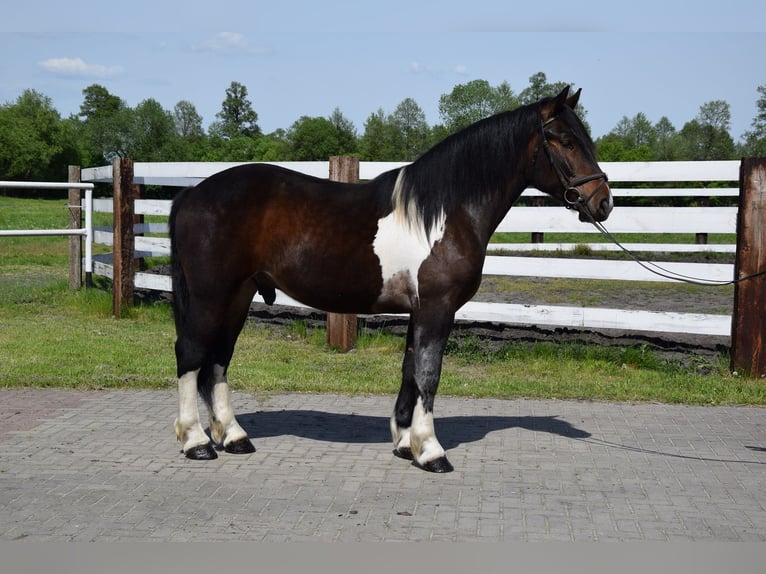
(36, 143)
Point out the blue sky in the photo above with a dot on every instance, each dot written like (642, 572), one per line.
(662, 58)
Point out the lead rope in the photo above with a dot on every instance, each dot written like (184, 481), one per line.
(662, 271)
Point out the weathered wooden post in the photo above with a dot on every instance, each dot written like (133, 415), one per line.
(75, 222)
(701, 238)
(748, 331)
(124, 239)
(538, 236)
(341, 328)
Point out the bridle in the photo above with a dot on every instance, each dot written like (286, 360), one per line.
(573, 195)
(574, 199)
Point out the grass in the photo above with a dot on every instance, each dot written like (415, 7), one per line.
(53, 337)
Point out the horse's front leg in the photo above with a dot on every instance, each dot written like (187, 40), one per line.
(412, 425)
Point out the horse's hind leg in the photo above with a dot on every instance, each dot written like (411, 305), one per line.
(204, 348)
(224, 428)
(194, 441)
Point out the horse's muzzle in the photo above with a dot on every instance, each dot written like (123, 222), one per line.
(599, 212)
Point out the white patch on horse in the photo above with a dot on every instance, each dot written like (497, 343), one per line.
(401, 244)
(420, 438)
(187, 425)
(223, 425)
(425, 446)
(400, 436)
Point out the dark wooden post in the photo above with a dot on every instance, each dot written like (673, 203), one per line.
(538, 236)
(75, 222)
(124, 240)
(701, 238)
(341, 328)
(748, 331)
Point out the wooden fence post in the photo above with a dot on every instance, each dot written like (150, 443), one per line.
(748, 336)
(538, 236)
(124, 239)
(75, 222)
(341, 328)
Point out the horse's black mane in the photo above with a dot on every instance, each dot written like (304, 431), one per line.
(467, 166)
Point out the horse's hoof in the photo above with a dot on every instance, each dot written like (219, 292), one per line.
(438, 465)
(405, 453)
(201, 452)
(241, 446)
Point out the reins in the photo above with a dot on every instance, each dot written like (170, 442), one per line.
(658, 269)
(574, 199)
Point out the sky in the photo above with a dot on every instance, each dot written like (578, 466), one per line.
(303, 58)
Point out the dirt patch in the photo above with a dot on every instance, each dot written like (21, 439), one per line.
(662, 297)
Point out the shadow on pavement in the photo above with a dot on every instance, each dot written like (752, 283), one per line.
(352, 428)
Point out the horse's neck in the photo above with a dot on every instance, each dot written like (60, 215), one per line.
(488, 215)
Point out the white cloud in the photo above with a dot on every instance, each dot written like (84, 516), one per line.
(78, 67)
(462, 70)
(231, 42)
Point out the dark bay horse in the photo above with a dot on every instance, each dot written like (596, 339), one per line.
(412, 240)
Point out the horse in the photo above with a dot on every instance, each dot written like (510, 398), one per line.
(413, 240)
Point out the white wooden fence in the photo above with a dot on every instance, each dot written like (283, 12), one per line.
(86, 205)
(640, 220)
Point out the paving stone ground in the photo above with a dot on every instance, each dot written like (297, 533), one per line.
(105, 466)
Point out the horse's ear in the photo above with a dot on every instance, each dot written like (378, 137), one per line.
(555, 105)
(574, 98)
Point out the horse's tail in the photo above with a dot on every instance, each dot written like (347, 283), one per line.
(180, 288)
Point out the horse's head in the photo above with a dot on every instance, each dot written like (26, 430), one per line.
(564, 162)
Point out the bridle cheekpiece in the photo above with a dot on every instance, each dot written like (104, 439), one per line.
(573, 195)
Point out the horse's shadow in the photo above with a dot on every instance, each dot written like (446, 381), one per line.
(353, 428)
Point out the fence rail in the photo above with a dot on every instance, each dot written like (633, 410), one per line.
(624, 176)
(86, 232)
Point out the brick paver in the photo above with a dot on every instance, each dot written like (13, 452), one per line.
(105, 466)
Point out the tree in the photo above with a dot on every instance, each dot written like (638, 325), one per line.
(755, 139)
(632, 139)
(272, 147)
(666, 146)
(716, 114)
(471, 102)
(505, 99)
(237, 116)
(188, 123)
(348, 142)
(153, 132)
(105, 125)
(34, 143)
(408, 121)
(378, 143)
(97, 101)
(313, 139)
(540, 88)
(707, 137)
